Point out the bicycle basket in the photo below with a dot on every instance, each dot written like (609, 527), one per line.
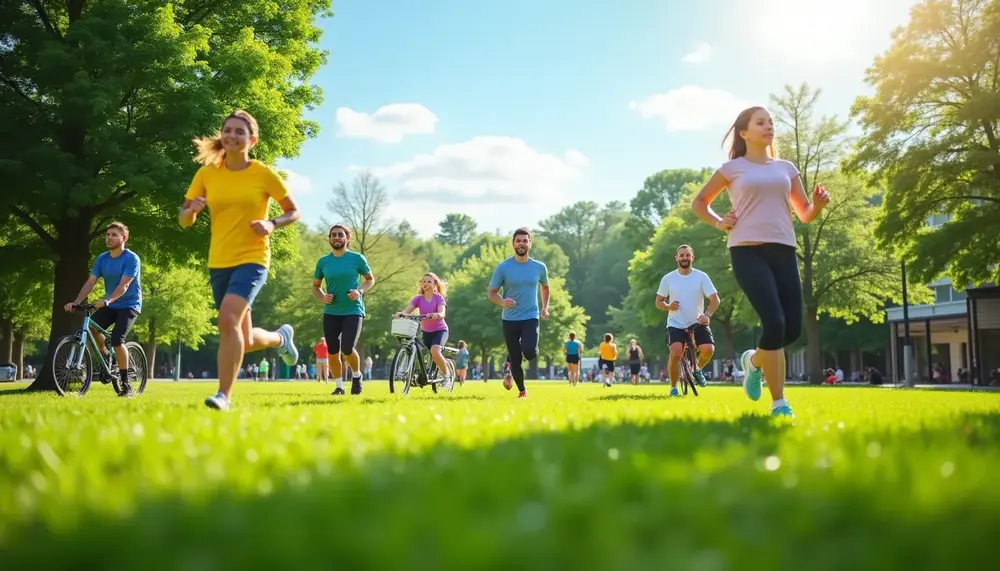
(404, 328)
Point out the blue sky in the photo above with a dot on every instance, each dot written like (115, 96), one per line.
(509, 111)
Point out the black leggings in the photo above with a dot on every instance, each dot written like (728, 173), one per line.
(341, 332)
(769, 276)
(522, 343)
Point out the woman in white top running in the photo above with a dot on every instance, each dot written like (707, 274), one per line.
(764, 190)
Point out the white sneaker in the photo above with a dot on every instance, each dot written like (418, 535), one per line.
(217, 401)
(752, 376)
(289, 354)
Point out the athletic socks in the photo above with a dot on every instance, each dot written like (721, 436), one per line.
(778, 404)
(340, 382)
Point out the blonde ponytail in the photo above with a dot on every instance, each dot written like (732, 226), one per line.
(210, 151)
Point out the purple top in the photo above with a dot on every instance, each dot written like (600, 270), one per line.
(425, 307)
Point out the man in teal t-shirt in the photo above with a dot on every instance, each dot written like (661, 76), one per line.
(340, 272)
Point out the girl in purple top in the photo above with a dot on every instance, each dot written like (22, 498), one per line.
(764, 190)
(430, 300)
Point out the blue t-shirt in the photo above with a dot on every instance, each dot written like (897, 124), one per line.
(111, 270)
(462, 359)
(573, 347)
(342, 274)
(520, 281)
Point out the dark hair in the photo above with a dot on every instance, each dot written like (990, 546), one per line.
(522, 231)
(572, 335)
(120, 227)
(608, 337)
(738, 146)
(342, 227)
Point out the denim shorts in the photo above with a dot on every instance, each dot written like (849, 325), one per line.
(244, 280)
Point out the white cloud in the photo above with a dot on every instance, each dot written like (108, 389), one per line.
(691, 108)
(298, 184)
(501, 182)
(701, 53)
(388, 124)
(485, 170)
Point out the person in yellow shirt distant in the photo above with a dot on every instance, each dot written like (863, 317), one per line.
(238, 192)
(607, 353)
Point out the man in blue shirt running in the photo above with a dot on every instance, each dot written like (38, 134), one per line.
(122, 301)
(520, 277)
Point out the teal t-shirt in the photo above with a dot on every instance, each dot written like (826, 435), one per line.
(342, 274)
(573, 347)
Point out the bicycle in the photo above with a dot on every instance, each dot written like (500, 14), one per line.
(689, 360)
(77, 364)
(409, 371)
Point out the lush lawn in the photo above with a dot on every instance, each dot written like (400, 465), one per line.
(584, 478)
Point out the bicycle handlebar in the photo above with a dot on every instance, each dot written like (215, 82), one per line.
(411, 317)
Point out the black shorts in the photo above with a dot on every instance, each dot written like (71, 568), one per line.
(605, 365)
(634, 368)
(122, 318)
(432, 338)
(572, 359)
(341, 332)
(702, 335)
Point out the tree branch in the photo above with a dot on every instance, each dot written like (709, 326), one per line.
(846, 277)
(16, 89)
(117, 198)
(42, 233)
(44, 17)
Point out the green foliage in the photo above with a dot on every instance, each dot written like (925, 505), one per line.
(593, 474)
(456, 229)
(660, 193)
(930, 138)
(177, 305)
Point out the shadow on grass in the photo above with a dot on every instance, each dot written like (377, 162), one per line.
(626, 397)
(677, 494)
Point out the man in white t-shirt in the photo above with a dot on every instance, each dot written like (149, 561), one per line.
(686, 289)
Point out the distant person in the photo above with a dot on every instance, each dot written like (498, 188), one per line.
(607, 354)
(237, 192)
(634, 360)
(572, 350)
(762, 244)
(461, 362)
(322, 353)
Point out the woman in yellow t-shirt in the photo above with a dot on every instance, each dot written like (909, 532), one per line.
(238, 192)
(607, 353)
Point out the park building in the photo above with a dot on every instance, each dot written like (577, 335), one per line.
(958, 332)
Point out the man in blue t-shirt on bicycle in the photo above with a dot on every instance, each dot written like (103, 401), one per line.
(122, 301)
(520, 277)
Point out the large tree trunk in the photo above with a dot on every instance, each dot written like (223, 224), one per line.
(150, 349)
(7, 339)
(71, 269)
(814, 356)
(728, 351)
(18, 356)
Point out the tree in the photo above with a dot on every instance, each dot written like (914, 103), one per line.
(177, 307)
(457, 229)
(659, 193)
(103, 98)
(842, 275)
(362, 208)
(931, 138)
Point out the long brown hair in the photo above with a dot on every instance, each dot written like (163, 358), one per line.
(737, 144)
(210, 151)
(440, 286)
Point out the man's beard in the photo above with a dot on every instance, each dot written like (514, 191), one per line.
(522, 251)
(684, 265)
(338, 245)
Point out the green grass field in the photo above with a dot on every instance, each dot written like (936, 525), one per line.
(572, 478)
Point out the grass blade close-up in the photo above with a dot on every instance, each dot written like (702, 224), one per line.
(572, 478)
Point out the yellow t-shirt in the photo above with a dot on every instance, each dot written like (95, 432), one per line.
(235, 199)
(608, 351)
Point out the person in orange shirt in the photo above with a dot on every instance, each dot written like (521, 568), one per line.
(237, 192)
(607, 353)
(322, 353)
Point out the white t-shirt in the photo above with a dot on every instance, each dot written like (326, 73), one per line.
(690, 292)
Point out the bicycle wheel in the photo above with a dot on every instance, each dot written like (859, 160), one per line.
(400, 371)
(71, 379)
(685, 374)
(451, 372)
(692, 358)
(137, 369)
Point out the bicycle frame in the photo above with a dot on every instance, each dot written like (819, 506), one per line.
(82, 337)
